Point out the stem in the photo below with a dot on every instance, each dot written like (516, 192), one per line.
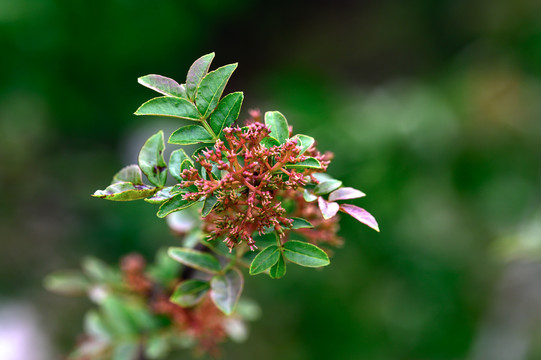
(208, 128)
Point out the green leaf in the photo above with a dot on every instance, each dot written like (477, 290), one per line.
(278, 125)
(125, 350)
(208, 205)
(170, 106)
(131, 174)
(305, 254)
(278, 270)
(308, 196)
(299, 223)
(211, 88)
(309, 163)
(326, 187)
(226, 112)
(151, 159)
(118, 316)
(176, 163)
(163, 85)
(99, 271)
(95, 326)
(265, 259)
(304, 142)
(195, 259)
(269, 142)
(345, 193)
(161, 196)
(196, 72)
(225, 290)
(328, 208)
(361, 215)
(125, 191)
(67, 282)
(199, 151)
(165, 270)
(191, 134)
(176, 203)
(190, 292)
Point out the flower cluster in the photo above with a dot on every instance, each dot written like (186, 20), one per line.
(247, 177)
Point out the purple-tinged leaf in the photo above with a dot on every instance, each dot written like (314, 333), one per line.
(308, 196)
(346, 193)
(360, 214)
(163, 85)
(197, 72)
(328, 208)
(131, 174)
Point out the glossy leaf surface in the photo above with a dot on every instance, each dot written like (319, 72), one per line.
(125, 191)
(176, 163)
(226, 289)
(328, 209)
(326, 187)
(195, 259)
(264, 260)
(345, 193)
(361, 215)
(278, 270)
(278, 125)
(196, 73)
(299, 223)
(305, 254)
(226, 113)
(169, 106)
(190, 134)
(163, 85)
(131, 174)
(190, 292)
(310, 163)
(176, 203)
(211, 88)
(151, 160)
(208, 205)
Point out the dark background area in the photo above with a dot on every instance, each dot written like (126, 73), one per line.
(431, 107)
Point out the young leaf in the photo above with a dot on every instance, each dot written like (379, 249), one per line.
(190, 292)
(304, 142)
(176, 203)
(151, 160)
(305, 254)
(163, 85)
(191, 134)
(125, 191)
(360, 214)
(67, 282)
(99, 271)
(299, 223)
(326, 187)
(211, 88)
(265, 259)
(345, 193)
(131, 174)
(169, 106)
(226, 112)
(176, 161)
(328, 209)
(225, 290)
(278, 270)
(161, 196)
(308, 196)
(195, 259)
(278, 125)
(208, 205)
(309, 163)
(197, 71)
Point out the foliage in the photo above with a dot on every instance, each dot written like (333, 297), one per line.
(265, 201)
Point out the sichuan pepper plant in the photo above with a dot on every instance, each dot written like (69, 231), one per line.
(254, 196)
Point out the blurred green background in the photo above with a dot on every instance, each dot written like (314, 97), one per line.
(432, 108)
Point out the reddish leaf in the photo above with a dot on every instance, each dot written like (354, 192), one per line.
(328, 209)
(346, 193)
(360, 214)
